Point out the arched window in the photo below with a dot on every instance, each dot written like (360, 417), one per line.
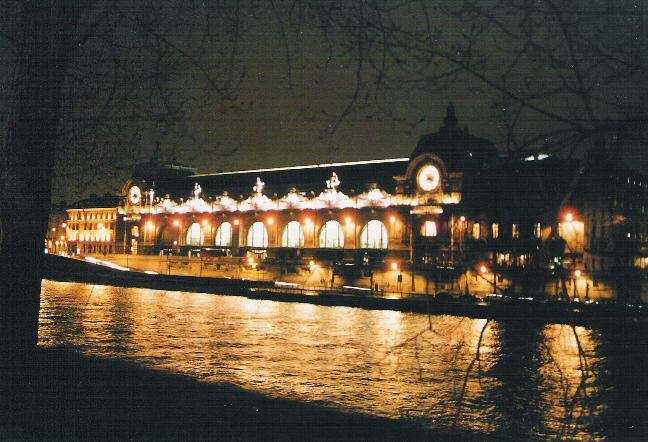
(293, 235)
(223, 235)
(331, 235)
(429, 228)
(373, 235)
(195, 235)
(257, 235)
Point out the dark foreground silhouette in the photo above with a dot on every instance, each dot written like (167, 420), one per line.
(75, 397)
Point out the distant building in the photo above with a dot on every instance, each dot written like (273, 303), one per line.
(92, 226)
(455, 205)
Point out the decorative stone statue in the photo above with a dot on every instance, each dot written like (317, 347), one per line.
(258, 188)
(333, 183)
(197, 191)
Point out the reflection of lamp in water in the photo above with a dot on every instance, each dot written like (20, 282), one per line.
(569, 217)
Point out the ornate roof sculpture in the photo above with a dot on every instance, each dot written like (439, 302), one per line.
(330, 198)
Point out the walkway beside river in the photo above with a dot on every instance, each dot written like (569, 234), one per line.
(76, 397)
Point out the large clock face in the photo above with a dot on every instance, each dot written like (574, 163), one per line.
(428, 178)
(135, 195)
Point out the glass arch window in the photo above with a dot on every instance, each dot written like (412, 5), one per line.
(293, 235)
(195, 235)
(257, 235)
(331, 235)
(373, 235)
(223, 235)
(429, 229)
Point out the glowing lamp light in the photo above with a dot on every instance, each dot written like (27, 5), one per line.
(308, 221)
(64, 225)
(462, 218)
(150, 225)
(175, 243)
(348, 220)
(569, 217)
(176, 223)
(236, 222)
(53, 229)
(394, 265)
(205, 223)
(251, 261)
(483, 269)
(62, 238)
(100, 225)
(312, 263)
(392, 219)
(577, 273)
(270, 221)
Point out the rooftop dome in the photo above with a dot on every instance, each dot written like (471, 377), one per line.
(456, 147)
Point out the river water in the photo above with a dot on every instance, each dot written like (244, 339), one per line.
(519, 379)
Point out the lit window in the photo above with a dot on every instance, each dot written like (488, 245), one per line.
(537, 230)
(331, 235)
(195, 235)
(257, 235)
(476, 230)
(515, 231)
(495, 228)
(429, 229)
(293, 235)
(223, 235)
(373, 235)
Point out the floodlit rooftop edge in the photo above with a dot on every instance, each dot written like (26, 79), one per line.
(311, 166)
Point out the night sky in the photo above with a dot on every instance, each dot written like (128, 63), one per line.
(157, 73)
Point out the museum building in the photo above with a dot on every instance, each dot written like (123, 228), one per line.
(454, 204)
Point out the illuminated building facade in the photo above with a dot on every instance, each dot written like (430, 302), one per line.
(454, 206)
(92, 227)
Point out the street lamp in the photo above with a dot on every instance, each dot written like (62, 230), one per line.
(177, 224)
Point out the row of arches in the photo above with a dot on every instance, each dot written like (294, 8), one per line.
(331, 235)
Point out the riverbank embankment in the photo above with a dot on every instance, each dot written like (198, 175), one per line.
(67, 269)
(75, 397)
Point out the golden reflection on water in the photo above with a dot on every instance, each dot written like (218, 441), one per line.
(449, 371)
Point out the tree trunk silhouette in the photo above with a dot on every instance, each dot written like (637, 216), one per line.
(43, 51)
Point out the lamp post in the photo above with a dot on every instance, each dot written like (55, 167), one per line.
(177, 224)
